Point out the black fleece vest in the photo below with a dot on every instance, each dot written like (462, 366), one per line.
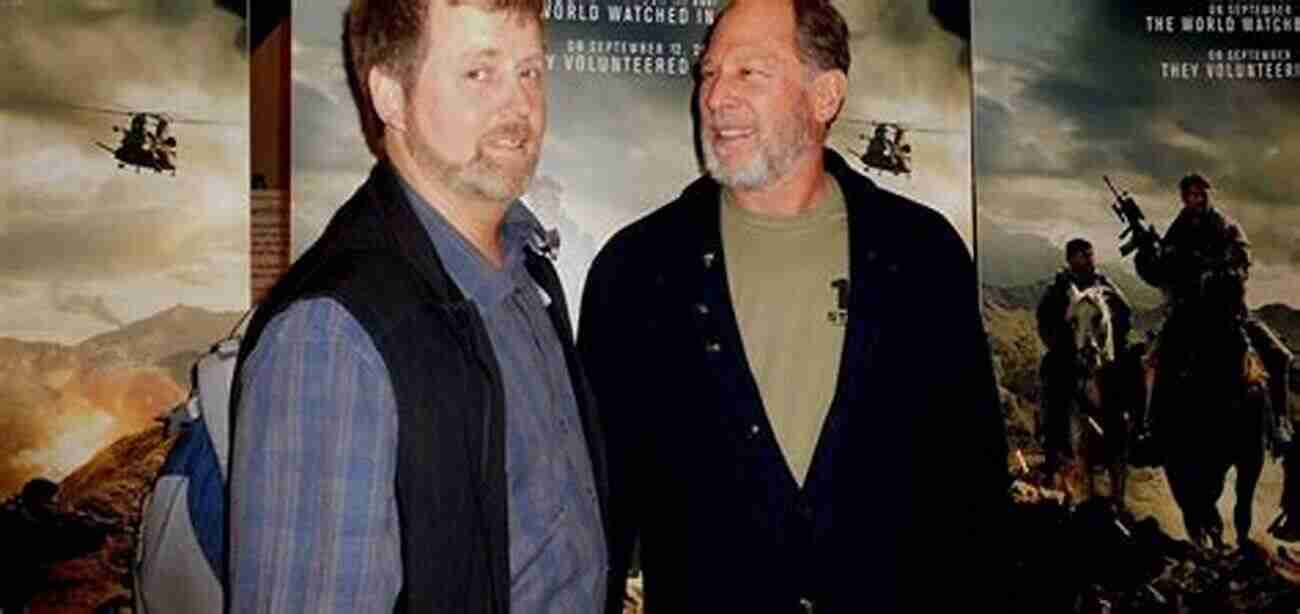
(376, 260)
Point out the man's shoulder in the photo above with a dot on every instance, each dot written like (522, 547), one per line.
(354, 277)
(317, 325)
(313, 319)
(1056, 288)
(1061, 280)
(1232, 231)
(364, 281)
(914, 230)
(889, 211)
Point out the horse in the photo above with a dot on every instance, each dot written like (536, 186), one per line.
(1210, 408)
(1099, 423)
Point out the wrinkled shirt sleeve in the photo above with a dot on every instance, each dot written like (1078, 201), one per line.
(313, 515)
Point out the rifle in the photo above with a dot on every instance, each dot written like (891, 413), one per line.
(1126, 209)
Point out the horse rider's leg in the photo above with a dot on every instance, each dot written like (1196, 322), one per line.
(1248, 471)
(1116, 444)
(1276, 357)
(1180, 486)
(1213, 479)
(1289, 527)
(1118, 431)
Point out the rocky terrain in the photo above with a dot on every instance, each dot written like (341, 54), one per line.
(1082, 560)
(104, 495)
(83, 417)
(1099, 559)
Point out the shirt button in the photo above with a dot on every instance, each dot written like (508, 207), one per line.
(753, 431)
(805, 605)
(713, 347)
(708, 259)
(702, 309)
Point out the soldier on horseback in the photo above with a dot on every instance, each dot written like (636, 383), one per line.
(1202, 265)
(1060, 371)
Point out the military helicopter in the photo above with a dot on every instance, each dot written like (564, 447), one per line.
(147, 142)
(887, 148)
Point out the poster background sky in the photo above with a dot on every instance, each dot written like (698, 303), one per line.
(89, 247)
(1082, 94)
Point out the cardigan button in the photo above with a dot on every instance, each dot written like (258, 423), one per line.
(713, 347)
(702, 309)
(806, 605)
(709, 257)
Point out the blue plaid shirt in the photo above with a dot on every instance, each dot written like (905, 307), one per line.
(314, 523)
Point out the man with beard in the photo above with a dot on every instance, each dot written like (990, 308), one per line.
(1059, 371)
(413, 432)
(1202, 265)
(786, 342)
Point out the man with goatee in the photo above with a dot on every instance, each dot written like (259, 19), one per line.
(413, 432)
(790, 363)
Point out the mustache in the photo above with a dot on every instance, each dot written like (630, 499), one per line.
(511, 130)
(726, 122)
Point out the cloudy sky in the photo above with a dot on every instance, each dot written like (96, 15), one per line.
(88, 247)
(619, 146)
(1068, 91)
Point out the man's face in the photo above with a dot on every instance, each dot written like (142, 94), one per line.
(755, 104)
(475, 112)
(1195, 198)
(1081, 262)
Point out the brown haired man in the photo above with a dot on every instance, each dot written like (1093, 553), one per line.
(412, 430)
(786, 343)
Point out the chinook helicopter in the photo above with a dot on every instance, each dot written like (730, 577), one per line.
(147, 141)
(887, 147)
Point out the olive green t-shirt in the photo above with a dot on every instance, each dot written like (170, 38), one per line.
(789, 283)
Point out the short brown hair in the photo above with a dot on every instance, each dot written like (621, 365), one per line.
(388, 34)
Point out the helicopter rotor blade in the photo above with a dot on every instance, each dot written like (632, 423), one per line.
(905, 126)
(932, 130)
(193, 121)
(93, 109)
(865, 121)
(201, 122)
(154, 115)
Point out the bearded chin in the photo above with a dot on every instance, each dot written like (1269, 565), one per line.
(772, 160)
(484, 177)
(481, 178)
(749, 175)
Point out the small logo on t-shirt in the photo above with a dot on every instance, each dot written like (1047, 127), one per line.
(840, 315)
